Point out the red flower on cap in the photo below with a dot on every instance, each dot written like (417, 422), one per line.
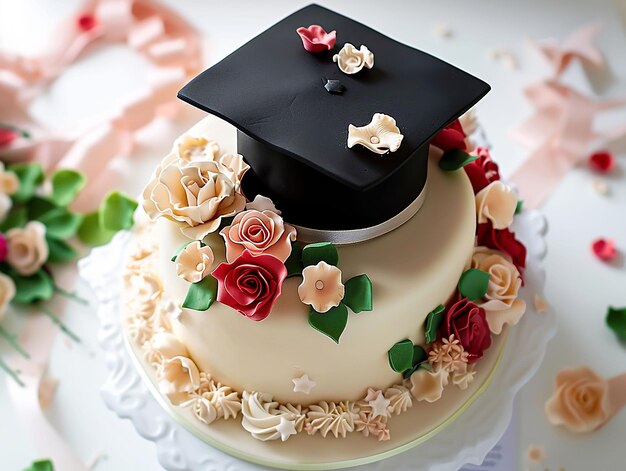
(602, 161)
(468, 323)
(604, 249)
(251, 284)
(450, 137)
(483, 170)
(503, 240)
(316, 39)
(7, 136)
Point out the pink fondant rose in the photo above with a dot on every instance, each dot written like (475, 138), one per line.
(316, 39)
(468, 323)
(258, 232)
(251, 284)
(483, 170)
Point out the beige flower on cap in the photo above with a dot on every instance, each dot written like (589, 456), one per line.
(27, 248)
(195, 194)
(380, 136)
(496, 203)
(194, 262)
(177, 378)
(321, 287)
(352, 60)
(9, 183)
(259, 232)
(196, 148)
(428, 385)
(7, 292)
(501, 301)
(580, 401)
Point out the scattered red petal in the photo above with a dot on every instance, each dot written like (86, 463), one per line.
(604, 249)
(86, 22)
(602, 161)
(7, 136)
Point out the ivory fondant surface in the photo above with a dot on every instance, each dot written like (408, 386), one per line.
(413, 269)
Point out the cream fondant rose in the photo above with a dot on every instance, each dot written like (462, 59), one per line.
(168, 345)
(195, 194)
(194, 262)
(259, 232)
(321, 286)
(178, 377)
(501, 302)
(352, 60)
(496, 203)
(196, 148)
(428, 385)
(7, 292)
(28, 250)
(9, 183)
(580, 401)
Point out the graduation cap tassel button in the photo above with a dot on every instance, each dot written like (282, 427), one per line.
(380, 136)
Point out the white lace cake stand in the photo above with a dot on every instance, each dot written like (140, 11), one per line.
(467, 439)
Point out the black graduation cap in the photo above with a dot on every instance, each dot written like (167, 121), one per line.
(293, 132)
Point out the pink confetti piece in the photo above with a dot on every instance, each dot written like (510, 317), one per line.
(604, 249)
(602, 161)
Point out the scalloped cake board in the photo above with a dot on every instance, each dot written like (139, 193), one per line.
(471, 422)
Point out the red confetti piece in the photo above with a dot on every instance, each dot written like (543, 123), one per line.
(86, 22)
(604, 249)
(602, 161)
(7, 136)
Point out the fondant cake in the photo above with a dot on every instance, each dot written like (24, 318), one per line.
(328, 250)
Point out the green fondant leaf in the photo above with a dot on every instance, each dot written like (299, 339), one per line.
(401, 356)
(358, 296)
(433, 321)
(294, 262)
(473, 284)
(201, 295)
(91, 231)
(616, 320)
(42, 465)
(331, 323)
(312, 254)
(60, 223)
(30, 177)
(116, 212)
(38, 206)
(17, 217)
(31, 289)
(59, 251)
(66, 184)
(419, 357)
(454, 159)
(519, 207)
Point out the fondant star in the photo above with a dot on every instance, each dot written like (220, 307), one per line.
(379, 405)
(578, 45)
(303, 384)
(334, 87)
(286, 428)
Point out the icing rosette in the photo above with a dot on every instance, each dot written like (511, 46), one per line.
(316, 39)
(321, 287)
(27, 248)
(501, 302)
(399, 399)
(258, 232)
(250, 284)
(468, 323)
(381, 135)
(178, 377)
(329, 417)
(496, 203)
(263, 419)
(352, 60)
(580, 401)
(194, 262)
(145, 291)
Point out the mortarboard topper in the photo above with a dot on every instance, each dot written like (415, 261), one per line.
(293, 131)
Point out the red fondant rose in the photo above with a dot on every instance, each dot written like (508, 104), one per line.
(503, 240)
(468, 323)
(450, 137)
(7, 136)
(250, 284)
(483, 170)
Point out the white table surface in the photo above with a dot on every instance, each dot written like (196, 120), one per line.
(578, 286)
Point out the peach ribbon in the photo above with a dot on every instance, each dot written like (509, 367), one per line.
(173, 47)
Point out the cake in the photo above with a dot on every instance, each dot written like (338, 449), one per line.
(329, 251)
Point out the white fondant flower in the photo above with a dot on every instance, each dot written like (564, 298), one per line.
(428, 385)
(178, 377)
(381, 135)
(7, 292)
(28, 250)
(501, 302)
(496, 203)
(352, 60)
(168, 345)
(321, 286)
(464, 377)
(262, 203)
(194, 262)
(195, 194)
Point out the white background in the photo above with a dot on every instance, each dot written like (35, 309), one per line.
(578, 286)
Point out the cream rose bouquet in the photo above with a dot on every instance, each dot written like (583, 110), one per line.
(38, 230)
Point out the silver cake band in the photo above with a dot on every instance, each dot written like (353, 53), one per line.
(353, 236)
